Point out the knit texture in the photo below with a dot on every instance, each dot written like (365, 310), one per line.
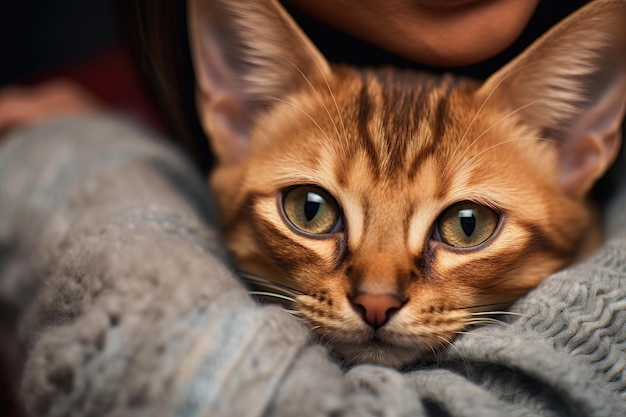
(119, 301)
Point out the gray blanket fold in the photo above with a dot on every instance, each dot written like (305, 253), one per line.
(123, 304)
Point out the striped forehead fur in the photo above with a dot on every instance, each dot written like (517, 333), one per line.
(397, 121)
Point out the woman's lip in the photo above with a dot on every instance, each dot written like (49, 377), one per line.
(443, 4)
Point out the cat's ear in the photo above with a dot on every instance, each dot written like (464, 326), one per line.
(571, 84)
(247, 55)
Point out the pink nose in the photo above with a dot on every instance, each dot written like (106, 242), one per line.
(376, 309)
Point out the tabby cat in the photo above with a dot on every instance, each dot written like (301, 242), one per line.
(394, 209)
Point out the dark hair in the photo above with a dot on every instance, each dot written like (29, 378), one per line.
(155, 32)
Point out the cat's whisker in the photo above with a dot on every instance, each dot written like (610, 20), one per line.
(498, 313)
(317, 95)
(276, 289)
(296, 316)
(305, 113)
(458, 145)
(464, 164)
(452, 347)
(483, 104)
(435, 353)
(265, 283)
(300, 320)
(262, 288)
(273, 295)
(329, 340)
(471, 334)
(484, 320)
(484, 132)
(293, 312)
(483, 306)
(332, 95)
(483, 311)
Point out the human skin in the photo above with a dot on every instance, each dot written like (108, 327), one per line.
(26, 105)
(443, 33)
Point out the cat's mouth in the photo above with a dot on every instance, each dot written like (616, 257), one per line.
(379, 352)
(380, 347)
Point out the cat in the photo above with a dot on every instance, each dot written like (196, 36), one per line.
(394, 209)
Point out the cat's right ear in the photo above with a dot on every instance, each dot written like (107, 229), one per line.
(571, 85)
(247, 55)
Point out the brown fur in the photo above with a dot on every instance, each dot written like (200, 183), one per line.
(395, 149)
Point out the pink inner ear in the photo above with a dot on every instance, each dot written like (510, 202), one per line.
(581, 160)
(227, 120)
(245, 55)
(571, 83)
(589, 146)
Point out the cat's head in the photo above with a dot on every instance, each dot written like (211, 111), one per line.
(399, 207)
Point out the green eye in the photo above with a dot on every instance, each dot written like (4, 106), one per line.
(466, 224)
(311, 209)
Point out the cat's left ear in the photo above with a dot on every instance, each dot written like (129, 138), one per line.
(247, 55)
(571, 84)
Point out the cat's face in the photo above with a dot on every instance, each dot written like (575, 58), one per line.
(398, 213)
(396, 208)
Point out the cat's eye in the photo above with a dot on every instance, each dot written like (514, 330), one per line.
(466, 224)
(312, 210)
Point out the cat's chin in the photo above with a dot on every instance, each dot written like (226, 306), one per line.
(377, 353)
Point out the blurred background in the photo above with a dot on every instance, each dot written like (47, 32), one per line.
(42, 40)
(72, 39)
(39, 35)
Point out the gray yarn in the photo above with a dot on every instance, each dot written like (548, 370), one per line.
(123, 305)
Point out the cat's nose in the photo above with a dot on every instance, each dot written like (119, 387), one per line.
(376, 309)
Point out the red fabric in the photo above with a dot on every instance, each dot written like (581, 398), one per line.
(110, 76)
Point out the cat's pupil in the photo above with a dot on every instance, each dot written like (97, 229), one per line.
(466, 224)
(312, 205)
(311, 209)
(468, 221)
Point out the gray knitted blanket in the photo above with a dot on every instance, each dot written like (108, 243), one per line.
(117, 297)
